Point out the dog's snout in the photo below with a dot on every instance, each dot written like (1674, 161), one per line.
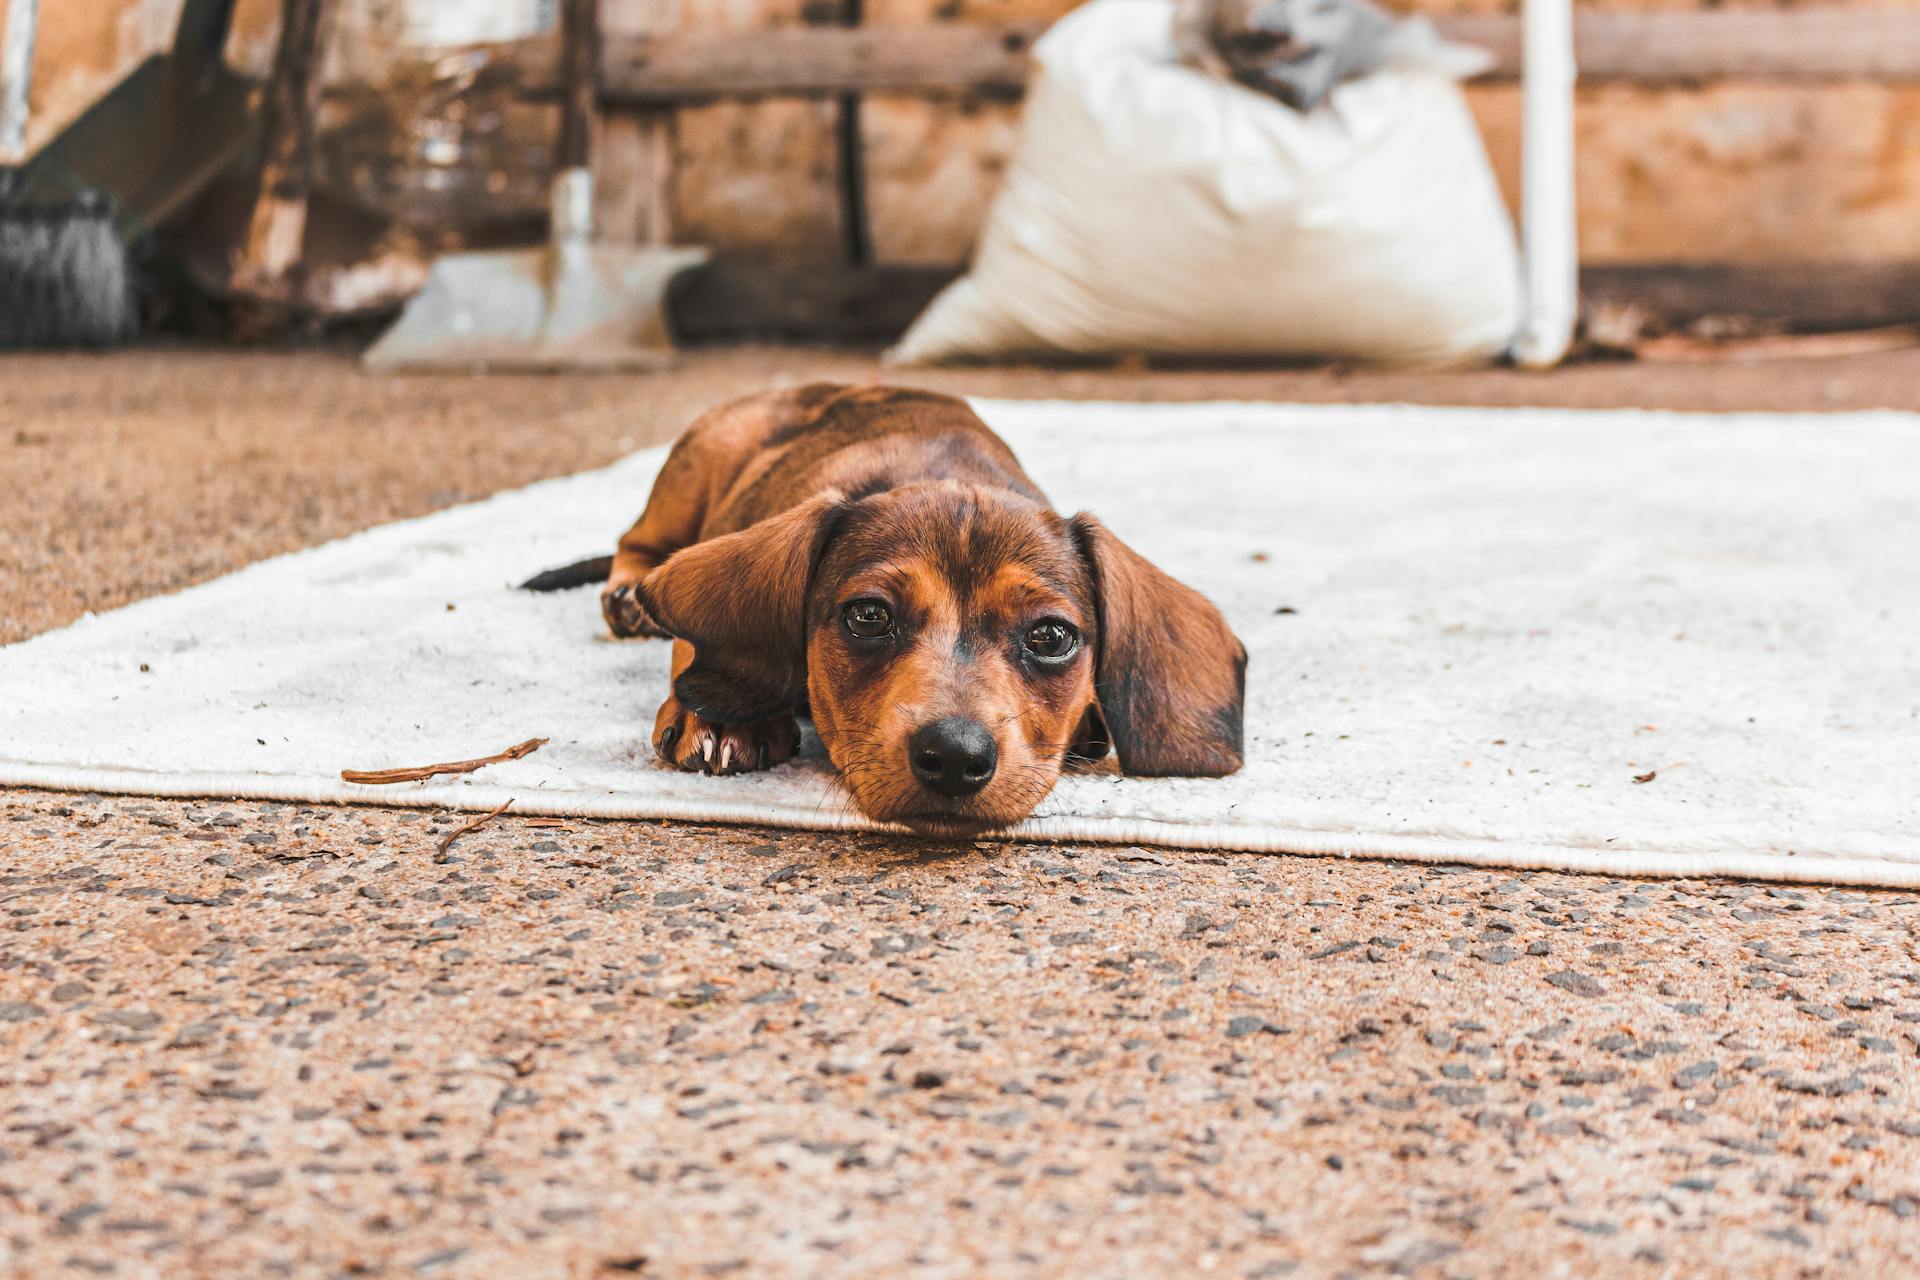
(954, 757)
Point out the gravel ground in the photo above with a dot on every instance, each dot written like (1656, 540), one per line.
(244, 1039)
(241, 1039)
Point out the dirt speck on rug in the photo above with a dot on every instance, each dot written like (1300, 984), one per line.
(1625, 642)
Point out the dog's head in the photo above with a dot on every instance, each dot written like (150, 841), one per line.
(956, 645)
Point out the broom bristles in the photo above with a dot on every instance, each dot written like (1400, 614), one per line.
(65, 279)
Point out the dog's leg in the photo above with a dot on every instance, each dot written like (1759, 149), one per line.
(686, 741)
(698, 469)
(670, 522)
(702, 466)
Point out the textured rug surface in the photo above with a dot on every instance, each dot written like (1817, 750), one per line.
(1624, 642)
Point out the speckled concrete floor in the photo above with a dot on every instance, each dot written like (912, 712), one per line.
(247, 1040)
(241, 1039)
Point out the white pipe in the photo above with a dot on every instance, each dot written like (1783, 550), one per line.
(1550, 245)
(16, 77)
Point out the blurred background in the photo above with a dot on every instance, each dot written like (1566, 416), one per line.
(1741, 168)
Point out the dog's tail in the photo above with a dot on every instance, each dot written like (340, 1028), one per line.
(579, 574)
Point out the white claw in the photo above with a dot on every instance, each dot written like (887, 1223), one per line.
(726, 754)
(706, 749)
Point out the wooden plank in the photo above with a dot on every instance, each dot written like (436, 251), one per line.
(579, 89)
(933, 168)
(1710, 44)
(730, 299)
(818, 61)
(1808, 296)
(633, 176)
(277, 228)
(757, 177)
(951, 58)
(633, 147)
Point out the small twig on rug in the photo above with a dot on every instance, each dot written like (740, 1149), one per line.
(382, 777)
(471, 826)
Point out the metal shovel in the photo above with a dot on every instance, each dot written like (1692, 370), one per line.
(571, 304)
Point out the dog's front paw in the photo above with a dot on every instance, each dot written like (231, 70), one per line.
(626, 616)
(685, 741)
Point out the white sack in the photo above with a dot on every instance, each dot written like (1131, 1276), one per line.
(1150, 208)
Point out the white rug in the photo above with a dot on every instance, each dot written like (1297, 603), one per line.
(1630, 643)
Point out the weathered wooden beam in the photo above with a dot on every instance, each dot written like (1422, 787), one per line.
(579, 86)
(276, 230)
(1808, 296)
(632, 157)
(696, 66)
(954, 58)
(731, 299)
(1719, 44)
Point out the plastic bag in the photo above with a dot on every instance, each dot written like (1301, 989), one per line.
(1150, 208)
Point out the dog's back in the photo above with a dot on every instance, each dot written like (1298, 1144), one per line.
(784, 447)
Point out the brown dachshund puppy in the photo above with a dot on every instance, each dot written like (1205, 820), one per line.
(874, 558)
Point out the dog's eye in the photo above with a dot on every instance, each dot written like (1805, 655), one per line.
(1052, 640)
(868, 619)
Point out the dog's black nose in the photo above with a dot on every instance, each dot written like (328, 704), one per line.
(955, 756)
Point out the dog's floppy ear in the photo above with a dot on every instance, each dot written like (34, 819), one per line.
(1091, 741)
(740, 600)
(1169, 674)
